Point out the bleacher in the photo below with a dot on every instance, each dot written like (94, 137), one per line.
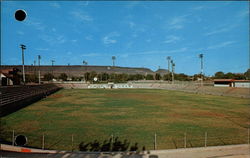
(17, 96)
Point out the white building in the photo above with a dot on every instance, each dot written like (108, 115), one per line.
(232, 83)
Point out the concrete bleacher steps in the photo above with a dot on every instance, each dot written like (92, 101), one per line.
(13, 98)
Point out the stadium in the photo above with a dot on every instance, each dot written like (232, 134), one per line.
(194, 104)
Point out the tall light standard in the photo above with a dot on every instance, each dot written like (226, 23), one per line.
(52, 63)
(201, 57)
(173, 65)
(23, 47)
(35, 67)
(39, 75)
(113, 58)
(168, 58)
(85, 63)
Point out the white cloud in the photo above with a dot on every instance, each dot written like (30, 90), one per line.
(82, 16)
(34, 23)
(74, 40)
(221, 29)
(221, 45)
(69, 53)
(20, 33)
(89, 37)
(177, 22)
(161, 52)
(84, 3)
(172, 39)
(109, 39)
(148, 40)
(57, 39)
(131, 24)
(243, 13)
(55, 5)
(53, 29)
(42, 49)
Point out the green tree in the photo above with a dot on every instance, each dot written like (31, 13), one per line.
(149, 77)
(63, 76)
(229, 75)
(31, 78)
(87, 76)
(219, 75)
(48, 77)
(247, 74)
(157, 76)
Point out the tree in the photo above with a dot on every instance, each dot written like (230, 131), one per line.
(31, 78)
(149, 77)
(87, 76)
(157, 76)
(92, 75)
(229, 75)
(48, 77)
(219, 75)
(247, 74)
(63, 76)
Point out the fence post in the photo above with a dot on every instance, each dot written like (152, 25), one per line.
(13, 137)
(155, 143)
(205, 143)
(185, 140)
(43, 142)
(248, 133)
(72, 142)
(112, 141)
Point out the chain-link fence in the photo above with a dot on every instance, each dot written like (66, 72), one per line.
(127, 142)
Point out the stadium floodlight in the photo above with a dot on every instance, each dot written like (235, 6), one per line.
(84, 62)
(52, 63)
(173, 65)
(23, 47)
(201, 57)
(168, 58)
(39, 75)
(113, 58)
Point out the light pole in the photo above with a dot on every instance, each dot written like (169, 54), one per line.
(23, 47)
(52, 63)
(113, 58)
(168, 58)
(201, 57)
(39, 75)
(35, 68)
(173, 65)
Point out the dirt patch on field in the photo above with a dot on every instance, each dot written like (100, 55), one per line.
(56, 96)
(209, 114)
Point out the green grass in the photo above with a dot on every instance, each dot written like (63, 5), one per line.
(133, 114)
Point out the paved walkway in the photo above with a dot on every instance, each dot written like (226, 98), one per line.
(229, 151)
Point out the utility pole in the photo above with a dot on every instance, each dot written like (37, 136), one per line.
(23, 47)
(201, 57)
(39, 75)
(168, 58)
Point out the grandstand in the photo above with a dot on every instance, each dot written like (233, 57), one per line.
(13, 98)
(78, 70)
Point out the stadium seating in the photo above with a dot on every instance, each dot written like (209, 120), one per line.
(14, 96)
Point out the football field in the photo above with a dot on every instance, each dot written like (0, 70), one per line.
(174, 119)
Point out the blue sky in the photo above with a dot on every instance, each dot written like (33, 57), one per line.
(138, 33)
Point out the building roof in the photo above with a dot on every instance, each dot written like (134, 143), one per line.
(223, 80)
(230, 80)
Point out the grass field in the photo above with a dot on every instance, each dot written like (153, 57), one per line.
(132, 114)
